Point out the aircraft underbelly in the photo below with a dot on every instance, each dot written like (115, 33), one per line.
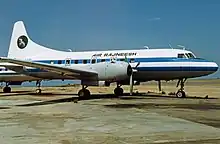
(168, 75)
(143, 75)
(140, 75)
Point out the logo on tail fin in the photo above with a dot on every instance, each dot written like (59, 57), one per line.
(22, 42)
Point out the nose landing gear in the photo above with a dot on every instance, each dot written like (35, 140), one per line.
(181, 93)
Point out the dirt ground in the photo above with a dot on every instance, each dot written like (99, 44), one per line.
(146, 117)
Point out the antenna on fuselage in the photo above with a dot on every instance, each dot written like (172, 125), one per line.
(170, 46)
(146, 47)
(182, 46)
(70, 50)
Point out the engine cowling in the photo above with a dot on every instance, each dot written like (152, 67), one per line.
(111, 72)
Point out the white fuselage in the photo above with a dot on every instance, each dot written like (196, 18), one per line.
(149, 64)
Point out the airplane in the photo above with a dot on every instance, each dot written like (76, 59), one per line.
(29, 61)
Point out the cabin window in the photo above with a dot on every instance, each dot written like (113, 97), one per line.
(85, 61)
(76, 61)
(102, 60)
(131, 60)
(181, 56)
(59, 62)
(112, 60)
(122, 59)
(93, 60)
(67, 61)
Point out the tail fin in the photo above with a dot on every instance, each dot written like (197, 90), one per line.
(22, 47)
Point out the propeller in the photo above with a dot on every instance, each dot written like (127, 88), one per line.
(131, 83)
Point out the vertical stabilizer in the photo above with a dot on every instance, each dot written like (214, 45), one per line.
(22, 47)
(19, 41)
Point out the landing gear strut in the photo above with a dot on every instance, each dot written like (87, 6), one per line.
(118, 91)
(38, 84)
(181, 93)
(7, 89)
(84, 92)
(159, 86)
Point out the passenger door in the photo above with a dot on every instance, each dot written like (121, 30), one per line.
(68, 62)
(93, 60)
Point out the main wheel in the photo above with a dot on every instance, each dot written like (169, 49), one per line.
(84, 93)
(118, 91)
(180, 94)
(6, 89)
(38, 91)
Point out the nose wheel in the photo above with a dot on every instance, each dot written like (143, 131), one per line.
(181, 93)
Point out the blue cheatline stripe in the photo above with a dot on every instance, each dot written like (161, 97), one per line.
(177, 68)
(167, 59)
(156, 69)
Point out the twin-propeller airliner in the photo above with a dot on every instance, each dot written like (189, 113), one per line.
(29, 61)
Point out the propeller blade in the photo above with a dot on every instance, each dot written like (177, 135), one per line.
(131, 84)
(131, 77)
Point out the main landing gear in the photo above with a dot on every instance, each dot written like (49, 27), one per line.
(181, 93)
(84, 92)
(7, 88)
(118, 91)
(38, 85)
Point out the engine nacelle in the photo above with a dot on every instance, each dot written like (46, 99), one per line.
(111, 72)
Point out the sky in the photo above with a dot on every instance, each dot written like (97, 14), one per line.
(85, 25)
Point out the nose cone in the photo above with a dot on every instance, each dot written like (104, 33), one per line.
(204, 67)
(214, 66)
(211, 68)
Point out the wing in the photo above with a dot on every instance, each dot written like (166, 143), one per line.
(68, 71)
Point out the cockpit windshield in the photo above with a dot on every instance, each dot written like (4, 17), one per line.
(190, 55)
(186, 55)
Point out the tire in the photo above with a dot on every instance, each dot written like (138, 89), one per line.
(180, 94)
(118, 91)
(84, 93)
(6, 89)
(38, 91)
